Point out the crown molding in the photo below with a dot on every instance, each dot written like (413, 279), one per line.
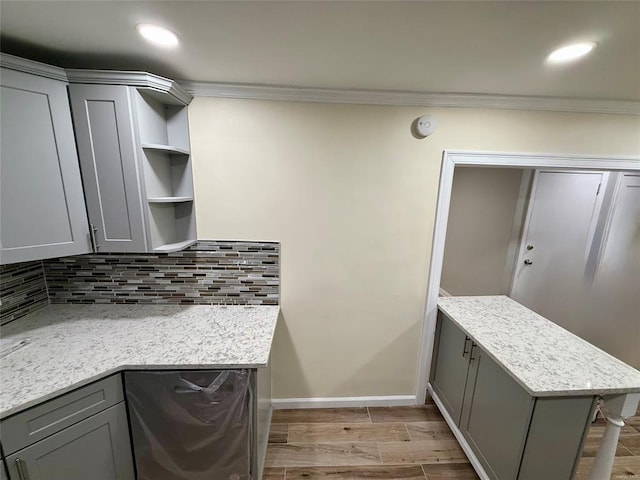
(406, 98)
(31, 66)
(170, 91)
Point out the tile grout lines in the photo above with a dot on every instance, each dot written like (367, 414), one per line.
(397, 434)
(424, 472)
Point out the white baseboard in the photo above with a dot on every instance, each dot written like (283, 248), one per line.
(336, 402)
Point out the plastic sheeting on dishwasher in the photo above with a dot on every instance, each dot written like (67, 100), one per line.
(191, 425)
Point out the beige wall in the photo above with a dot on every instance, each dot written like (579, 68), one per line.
(351, 195)
(481, 215)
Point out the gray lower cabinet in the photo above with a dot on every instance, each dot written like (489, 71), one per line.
(193, 424)
(81, 435)
(495, 417)
(96, 448)
(42, 208)
(514, 436)
(450, 376)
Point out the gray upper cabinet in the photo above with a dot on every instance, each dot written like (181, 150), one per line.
(42, 206)
(102, 117)
(133, 139)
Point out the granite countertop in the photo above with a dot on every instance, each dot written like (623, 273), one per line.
(73, 345)
(543, 357)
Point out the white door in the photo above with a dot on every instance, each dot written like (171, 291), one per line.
(550, 275)
(621, 253)
(613, 312)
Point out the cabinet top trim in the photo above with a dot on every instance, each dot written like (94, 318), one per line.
(31, 66)
(166, 90)
(170, 91)
(543, 357)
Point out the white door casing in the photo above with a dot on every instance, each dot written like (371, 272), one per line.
(601, 468)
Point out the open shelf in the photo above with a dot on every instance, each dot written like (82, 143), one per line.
(174, 247)
(169, 199)
(167, 174)
(168, 179)
(162, 125)
(165, 148)
(171, 224)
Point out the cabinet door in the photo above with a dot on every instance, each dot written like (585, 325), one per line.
(102, 115)
(554, 443)
(449, 376)
(97, 448)
(495, 416)
(41, 199)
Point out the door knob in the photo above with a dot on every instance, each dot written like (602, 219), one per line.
(528, 262)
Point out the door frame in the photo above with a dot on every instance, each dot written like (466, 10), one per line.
(450, 160)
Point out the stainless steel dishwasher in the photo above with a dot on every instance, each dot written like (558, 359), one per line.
(191, 425)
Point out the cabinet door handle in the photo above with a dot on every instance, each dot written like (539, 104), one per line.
(473, 349)
(22, 469)
(92, 231)
(464, 348)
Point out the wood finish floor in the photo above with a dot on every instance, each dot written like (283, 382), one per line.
(397, 443)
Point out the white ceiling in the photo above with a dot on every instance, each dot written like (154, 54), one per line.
(449, 46)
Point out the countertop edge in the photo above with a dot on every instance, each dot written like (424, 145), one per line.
(258, 359)
(120, 369)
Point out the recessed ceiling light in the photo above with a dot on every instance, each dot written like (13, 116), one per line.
(158, 35)
(571, 52)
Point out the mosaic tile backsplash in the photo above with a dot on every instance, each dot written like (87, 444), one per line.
(207, 273)
(22, 290)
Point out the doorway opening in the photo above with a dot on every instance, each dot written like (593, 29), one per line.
(453, 159)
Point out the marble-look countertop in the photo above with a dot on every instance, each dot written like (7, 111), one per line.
(73, 345)
(543, 357)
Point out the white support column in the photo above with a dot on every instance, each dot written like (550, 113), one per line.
(615, 409)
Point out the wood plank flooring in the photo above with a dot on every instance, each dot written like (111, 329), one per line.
(397, 443)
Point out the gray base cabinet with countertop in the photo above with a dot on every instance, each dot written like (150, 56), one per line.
(513, 434)
(181, 425)
(80, 435)
(519, 391)
(62, 386)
